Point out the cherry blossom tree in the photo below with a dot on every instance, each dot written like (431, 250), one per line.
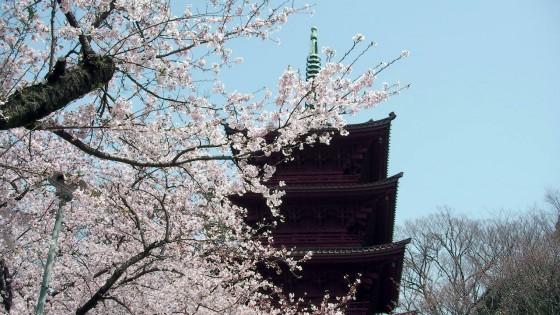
(108, 94)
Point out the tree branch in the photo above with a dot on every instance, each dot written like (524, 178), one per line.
(106, 156)
(38, 101)
(103, 16)
(6, 292)
(99, 295)
(86, 47)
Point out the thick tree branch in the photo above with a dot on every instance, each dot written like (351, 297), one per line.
(38, 101)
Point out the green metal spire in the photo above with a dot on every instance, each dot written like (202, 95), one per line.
(314, 50)
(313, 60)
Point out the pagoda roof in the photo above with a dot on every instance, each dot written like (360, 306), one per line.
(338, 255)
(356, 129)
(365, 126)
(332, 188)
(388, 182)
(373, 123)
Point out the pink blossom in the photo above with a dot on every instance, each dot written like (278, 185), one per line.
(152, 146)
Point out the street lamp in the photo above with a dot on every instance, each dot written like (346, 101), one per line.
(64, 193)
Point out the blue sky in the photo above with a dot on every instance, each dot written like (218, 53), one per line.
(478, 130)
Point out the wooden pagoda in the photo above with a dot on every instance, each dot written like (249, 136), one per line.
(339, 204)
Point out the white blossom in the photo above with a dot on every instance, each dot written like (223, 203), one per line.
(163, 146)
(358, 38)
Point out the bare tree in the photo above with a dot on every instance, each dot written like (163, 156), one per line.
(528, 280)
(505, 265)
(448, 263)
(552, 197)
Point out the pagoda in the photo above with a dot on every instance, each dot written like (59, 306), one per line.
(340, 205)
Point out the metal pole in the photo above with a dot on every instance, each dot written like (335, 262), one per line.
(50, 257)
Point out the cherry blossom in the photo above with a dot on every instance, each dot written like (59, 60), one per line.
(125, 96)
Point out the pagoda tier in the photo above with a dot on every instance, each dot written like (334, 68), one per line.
(359, 157)
(333, 269)
(330, 215)
(379, 266)
(340, 205)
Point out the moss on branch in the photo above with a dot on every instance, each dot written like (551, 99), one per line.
(38, 101)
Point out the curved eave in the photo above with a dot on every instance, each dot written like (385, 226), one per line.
(388, 145)
(385, 122)
(389, 182)
(354, 254)
(365, 129)
(369, 125)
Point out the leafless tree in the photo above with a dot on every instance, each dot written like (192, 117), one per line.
(504, 265)
(448, 263)
(528, 280)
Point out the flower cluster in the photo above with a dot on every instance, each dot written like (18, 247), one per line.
(358, 38)
(162, 146)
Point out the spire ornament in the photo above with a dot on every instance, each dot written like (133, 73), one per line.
(313, 60)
